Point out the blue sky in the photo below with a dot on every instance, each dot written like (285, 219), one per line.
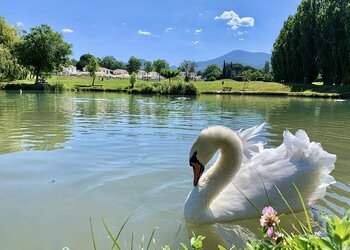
(173, 30)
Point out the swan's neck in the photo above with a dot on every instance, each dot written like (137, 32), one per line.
(222, 172)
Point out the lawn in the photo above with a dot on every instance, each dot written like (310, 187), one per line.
(213, 87)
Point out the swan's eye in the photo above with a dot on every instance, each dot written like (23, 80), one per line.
(194, 159)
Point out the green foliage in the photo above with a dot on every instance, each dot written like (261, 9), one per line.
(8, 34)
(168, 73)
(83, 61)
(178, 88)
(110, 62)
(268, 77)
(9, 68)
(187, 67)
(43, 50)
(212, 72)
(308, 44)
(134, 65)
(92, 67)
(266, 67)
(159, 65)
(132, 80)
(247, 75)
(58, 87)
(148, 66)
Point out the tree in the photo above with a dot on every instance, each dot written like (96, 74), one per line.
(132, 80)
(148, 67)
(247, 75)
(110, 62)
(168, 73)
(134, 65)
(188, 67)
(160, 64)
(267, 67)
(212, 72)
(83, 61)
(309, 44)
(92, 67)
(43, 49)
(8, 34)
(9, 67)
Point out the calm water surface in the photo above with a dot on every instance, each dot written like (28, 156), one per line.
(65, 158)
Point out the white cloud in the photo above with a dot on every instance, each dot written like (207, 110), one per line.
(200, 14)
(195, 42)
(168, 29)
(197, 31)
(19, 24)
(234, 20)
(144, 33)
(123, 24)
(241, 39)
(188, 31)
(66, 30)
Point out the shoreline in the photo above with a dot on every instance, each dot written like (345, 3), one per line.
(232, 93)
(61, 87)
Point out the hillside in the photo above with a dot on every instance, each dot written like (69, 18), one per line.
(254, 59)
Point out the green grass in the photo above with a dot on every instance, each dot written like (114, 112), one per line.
(214, 87)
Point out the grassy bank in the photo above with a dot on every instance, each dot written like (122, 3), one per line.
(215, 87)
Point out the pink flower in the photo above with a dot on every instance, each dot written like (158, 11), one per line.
(269, 217)
(271, 233)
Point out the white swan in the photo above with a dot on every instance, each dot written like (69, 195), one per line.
(245, 166)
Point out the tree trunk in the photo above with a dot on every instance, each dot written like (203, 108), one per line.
(37, 76)
(93, 79)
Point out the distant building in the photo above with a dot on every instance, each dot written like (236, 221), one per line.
(103, 72)
(120, 73)
(191, 75)
(69, 71)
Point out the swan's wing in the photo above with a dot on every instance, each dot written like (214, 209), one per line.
(296, 160)
(251, 146)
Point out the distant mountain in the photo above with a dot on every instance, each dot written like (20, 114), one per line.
(254, 59)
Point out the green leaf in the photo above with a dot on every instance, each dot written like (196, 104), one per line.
(221, 247)
(197, 241)
(184, 246)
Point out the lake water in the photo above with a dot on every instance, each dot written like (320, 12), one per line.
(69, 157)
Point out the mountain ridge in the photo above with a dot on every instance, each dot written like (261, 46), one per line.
(254, 59)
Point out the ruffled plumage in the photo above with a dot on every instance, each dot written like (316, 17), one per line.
(265, 173)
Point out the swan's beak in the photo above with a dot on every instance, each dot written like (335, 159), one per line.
(197, 172)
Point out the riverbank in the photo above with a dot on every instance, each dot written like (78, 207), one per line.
(226, 87)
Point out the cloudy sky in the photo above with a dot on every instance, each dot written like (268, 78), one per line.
(151, 29)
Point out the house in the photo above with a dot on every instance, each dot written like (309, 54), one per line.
(120, 73)
(69, 71)
(103, 72)
(191, 75)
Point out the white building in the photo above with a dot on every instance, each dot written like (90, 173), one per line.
(69, 71)
(121, 73)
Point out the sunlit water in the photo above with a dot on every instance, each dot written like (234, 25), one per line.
(70, 157)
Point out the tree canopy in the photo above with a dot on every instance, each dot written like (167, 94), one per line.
(188, 67)
(134, 65)
(92, 67)
(83, 61)
(316, 40)
(9, 68)
(159, 65)
(212, 72)
(110, 62)
(168, 73)
(42, 49)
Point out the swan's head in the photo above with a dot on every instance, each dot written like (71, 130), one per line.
(201, 152)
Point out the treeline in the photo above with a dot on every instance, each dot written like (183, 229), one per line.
(315, 41)
(237, 71)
